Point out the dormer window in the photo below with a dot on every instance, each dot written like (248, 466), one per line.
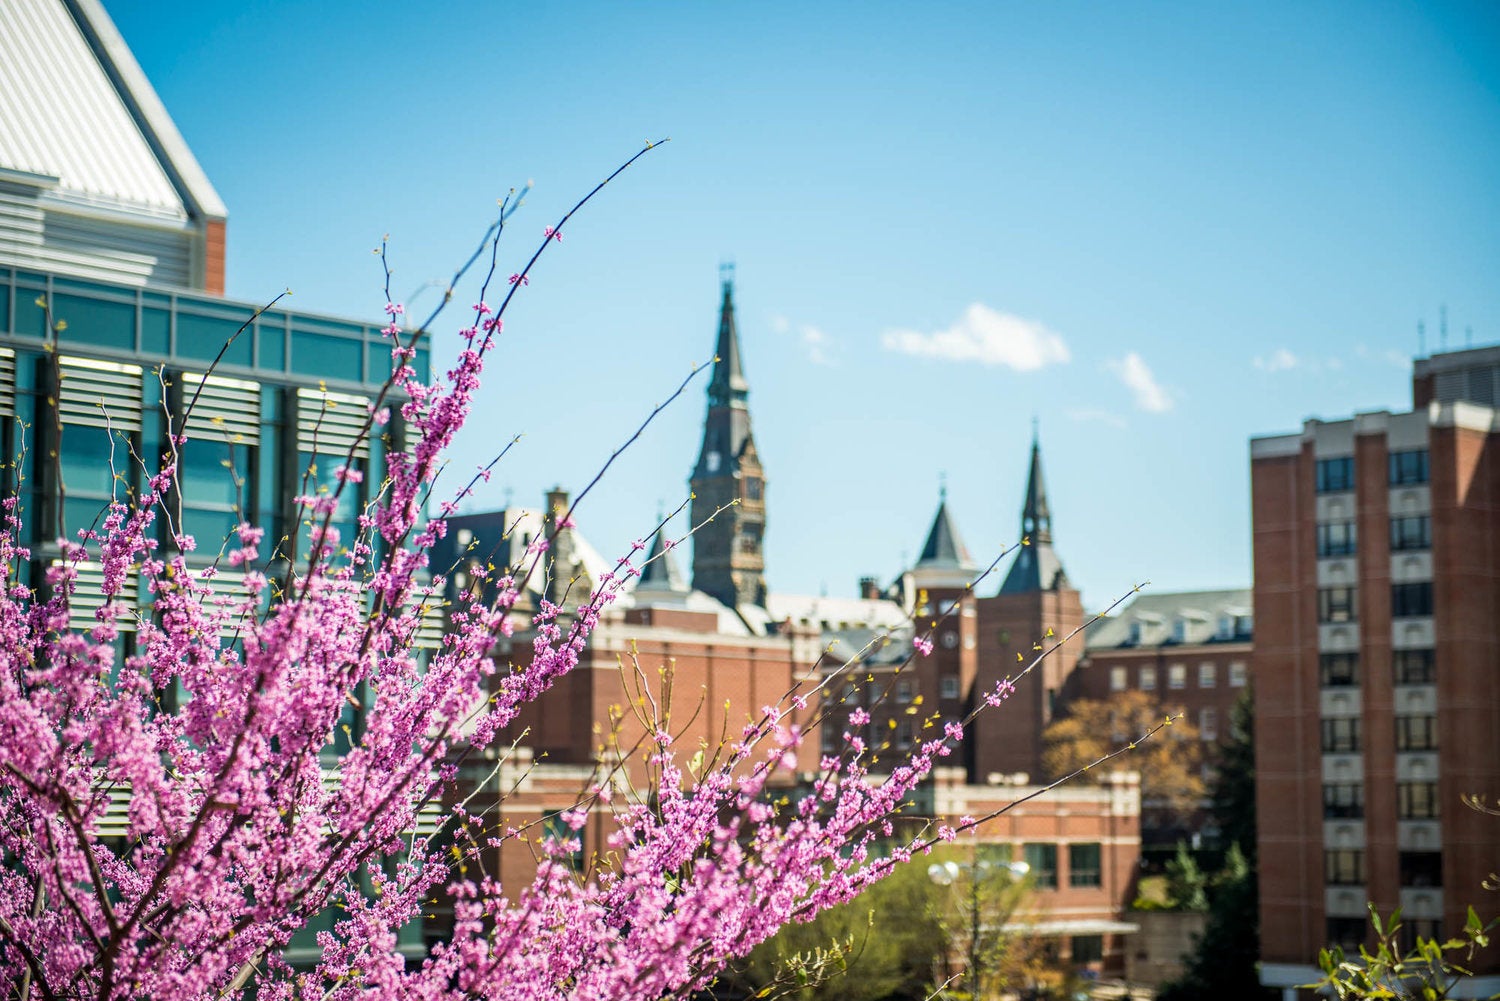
(1136, 631)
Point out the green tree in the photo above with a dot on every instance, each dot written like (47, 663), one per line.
(1223, 963)
(1187, 887)
(878, 947)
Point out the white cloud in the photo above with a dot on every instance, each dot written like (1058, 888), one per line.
(780, 324)
(816, 344)
(1102, 416)
(985, 336)
(1280, 360)
(1137, 377)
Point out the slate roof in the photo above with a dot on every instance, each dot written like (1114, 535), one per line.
(944, 548)
(1177, 618)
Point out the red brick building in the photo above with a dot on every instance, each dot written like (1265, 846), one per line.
(1377, 668)
(711, 651)
(1187, 651)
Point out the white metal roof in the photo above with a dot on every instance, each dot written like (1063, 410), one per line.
(78, 117)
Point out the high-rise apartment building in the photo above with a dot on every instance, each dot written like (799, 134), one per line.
(1377, 668)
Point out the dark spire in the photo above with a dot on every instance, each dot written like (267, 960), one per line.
(1036, 520)
(728, 387)
(944, 549)
(661, 572)
(1037, 567)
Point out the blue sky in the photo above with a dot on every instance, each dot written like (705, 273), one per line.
(1159, 228)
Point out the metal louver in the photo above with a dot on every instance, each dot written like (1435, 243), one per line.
(7, 382)
(429, 635)
(88, 598)
(225, 407)
(100, 393)
(330, 423)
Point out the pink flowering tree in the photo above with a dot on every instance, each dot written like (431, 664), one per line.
(241, 826)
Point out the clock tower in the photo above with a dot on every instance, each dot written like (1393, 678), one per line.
(728, 483)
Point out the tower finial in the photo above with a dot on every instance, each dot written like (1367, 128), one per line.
(726, 273)
(943, 486)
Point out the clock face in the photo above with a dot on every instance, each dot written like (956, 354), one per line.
(713, 462)
(950, 639)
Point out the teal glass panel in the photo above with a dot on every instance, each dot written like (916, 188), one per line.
(379, 368)
(31, 319)
(202, 337)
(5, 308)
(87, 464)
(156, 331)
(270, 339)
(423, 364)
(325, 357)
(97, 322)
(208, 528)
(208, 471)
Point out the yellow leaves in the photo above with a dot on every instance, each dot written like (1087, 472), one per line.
(1049, 633)
(1020, 659)
(890, 724)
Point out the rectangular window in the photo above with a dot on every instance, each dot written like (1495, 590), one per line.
(1336, 538)
(1413, 667)
(1043, 861)
(950, 688)
(1412, 532)
(903, 692)
(1411, 599)
(1421, 868)
(1238, 674)
(1177, 676)
(1408, 467)
(1208, 724)
(1338, 670)
(1336, 604)
(1413, 928)
(1340, 735)
(1416, 800)
(1083, 865)
(1416, 733)
(1087, 949)
(1118, 681)
(1343, 800)
(1208, 674)
(1343, 866)
(1334, 475)
(1148, 679)
(1347, 933)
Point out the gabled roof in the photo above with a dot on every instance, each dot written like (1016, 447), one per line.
(79, 120)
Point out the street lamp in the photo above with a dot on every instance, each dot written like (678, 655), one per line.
(947, 873)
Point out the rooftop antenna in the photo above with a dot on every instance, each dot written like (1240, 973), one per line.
(1468, 335)
(1421, 339)
(1443, 326)
(509, 495)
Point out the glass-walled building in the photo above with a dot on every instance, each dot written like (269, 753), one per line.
(94, 377)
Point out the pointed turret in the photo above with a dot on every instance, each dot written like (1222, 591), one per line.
(662, 572)
(728, 483)
(944, 548)
(1037, 567)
